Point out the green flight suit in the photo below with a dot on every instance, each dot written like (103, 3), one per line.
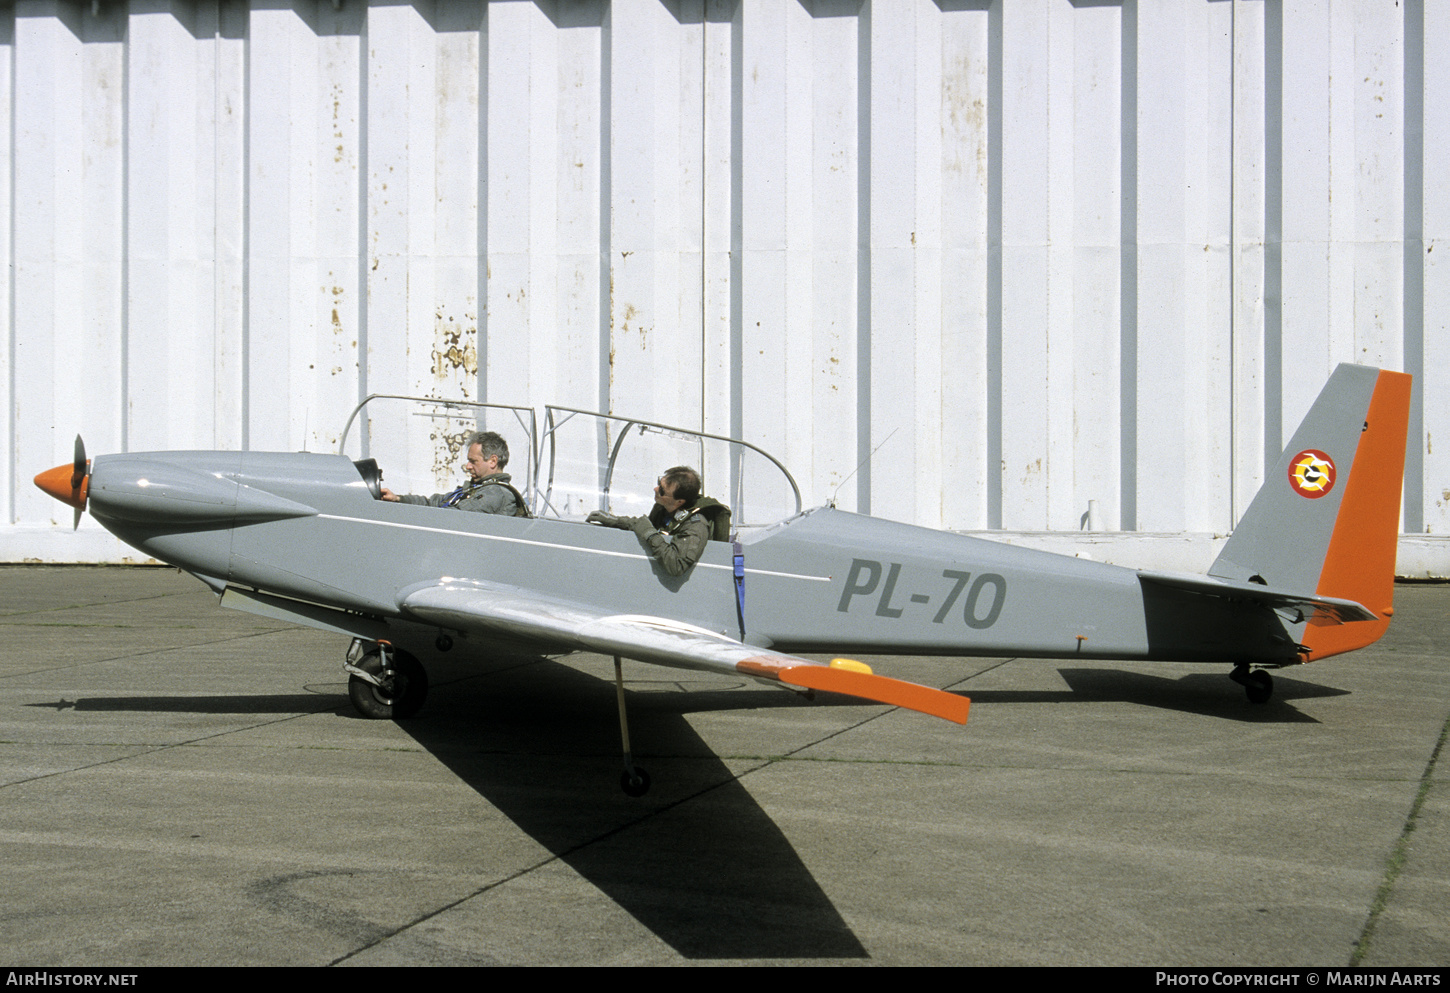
(493, 494)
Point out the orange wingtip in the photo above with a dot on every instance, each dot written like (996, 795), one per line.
(57, 482)
(882, 689)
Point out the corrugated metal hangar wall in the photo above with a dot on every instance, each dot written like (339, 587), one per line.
(1041, 252)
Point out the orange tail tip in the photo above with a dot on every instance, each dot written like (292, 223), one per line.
(60, 483)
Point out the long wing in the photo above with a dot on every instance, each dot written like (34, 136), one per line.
(516, 613)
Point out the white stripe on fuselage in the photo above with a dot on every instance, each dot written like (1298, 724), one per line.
(556, 545)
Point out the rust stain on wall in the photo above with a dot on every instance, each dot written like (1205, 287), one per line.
(965, 126)
(454, 348)
(455, 371)
(448, 453)
(342, 352)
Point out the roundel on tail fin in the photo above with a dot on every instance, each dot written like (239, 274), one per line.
(1311, 473)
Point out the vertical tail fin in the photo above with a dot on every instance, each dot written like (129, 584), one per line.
(1327, 520)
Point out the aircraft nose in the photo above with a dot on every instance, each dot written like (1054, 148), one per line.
(61, 483)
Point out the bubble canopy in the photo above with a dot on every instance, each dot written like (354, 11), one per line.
(581, 461)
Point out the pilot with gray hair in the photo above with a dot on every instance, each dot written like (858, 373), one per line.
(680, 524)
(488, 490)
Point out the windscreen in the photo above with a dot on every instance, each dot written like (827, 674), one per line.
(420, 445)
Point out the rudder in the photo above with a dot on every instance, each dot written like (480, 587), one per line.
(1327, 520)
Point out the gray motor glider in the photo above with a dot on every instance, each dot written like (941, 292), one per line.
(1308, 573)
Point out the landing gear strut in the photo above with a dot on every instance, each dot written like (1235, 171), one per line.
(1257, 683)
(634, 780)
(385, 683)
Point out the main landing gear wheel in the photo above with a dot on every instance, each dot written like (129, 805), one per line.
(398, 695)
(1258, 684)
(634, 782)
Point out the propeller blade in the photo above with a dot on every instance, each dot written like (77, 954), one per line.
(78, 465)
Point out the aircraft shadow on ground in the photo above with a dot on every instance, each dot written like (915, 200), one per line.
(270, 703)
(696, 860)
(1207, 694)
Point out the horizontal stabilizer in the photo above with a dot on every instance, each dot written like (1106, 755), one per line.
(1325, 609)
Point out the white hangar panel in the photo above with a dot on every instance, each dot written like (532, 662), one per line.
(1427, 264)
(1095, 241)
(1060, 264)
(169, 231)
(655, 145)
(46, 240)
(1181, 337)
(283, 148)
(968, 355)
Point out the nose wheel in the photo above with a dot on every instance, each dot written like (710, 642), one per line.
(1257, 683)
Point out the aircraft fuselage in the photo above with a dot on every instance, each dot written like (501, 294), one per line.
(305, 526)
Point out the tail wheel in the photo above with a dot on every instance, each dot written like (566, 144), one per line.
(400, 696)
(1257, 683)
(1259, 686)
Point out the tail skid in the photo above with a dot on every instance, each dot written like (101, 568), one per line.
(1326, 522)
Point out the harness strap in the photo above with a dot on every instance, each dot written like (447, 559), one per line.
(740, 584)
(457, 496)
